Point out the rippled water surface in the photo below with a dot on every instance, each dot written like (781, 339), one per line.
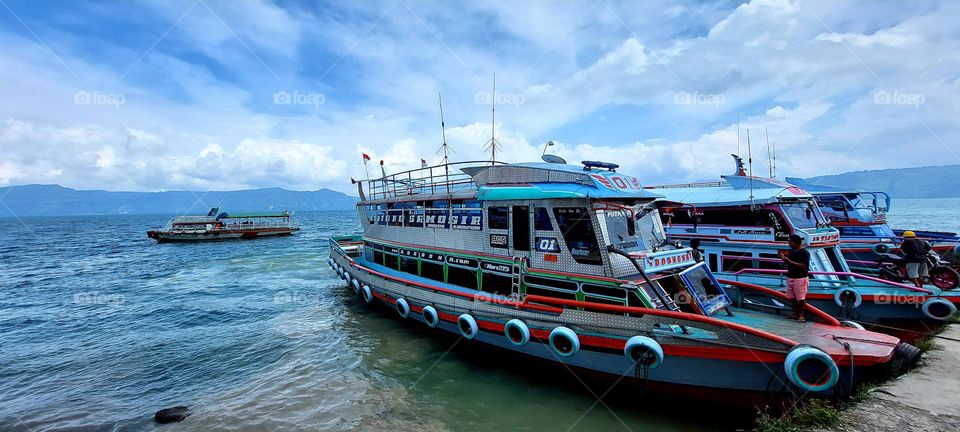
(100, 327)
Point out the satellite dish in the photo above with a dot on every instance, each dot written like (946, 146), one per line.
(554, 159)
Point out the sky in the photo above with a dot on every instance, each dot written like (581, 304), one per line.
(217, 95)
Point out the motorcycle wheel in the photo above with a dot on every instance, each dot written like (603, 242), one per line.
(944, 277)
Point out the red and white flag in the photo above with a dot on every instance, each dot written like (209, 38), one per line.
(366, 158)
(423, 163)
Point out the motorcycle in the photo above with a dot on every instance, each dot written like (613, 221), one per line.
(893, 268)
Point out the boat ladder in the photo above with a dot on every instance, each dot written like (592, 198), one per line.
(517, 270)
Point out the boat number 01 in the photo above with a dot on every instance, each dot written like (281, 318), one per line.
(547, 244)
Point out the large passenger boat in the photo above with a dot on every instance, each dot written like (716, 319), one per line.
(571, 265)
(216, 225)
(861, 217)
(743, 222)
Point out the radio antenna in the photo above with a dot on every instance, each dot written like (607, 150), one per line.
(750, 167)
(774, 159)
(769, 155)
(444, 148)
(493, 144)
(738, 134)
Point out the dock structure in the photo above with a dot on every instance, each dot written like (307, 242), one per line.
(924, 399)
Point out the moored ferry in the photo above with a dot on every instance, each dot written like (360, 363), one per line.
(861, 217)
(571, 265)
(743, 222)
(216, 225)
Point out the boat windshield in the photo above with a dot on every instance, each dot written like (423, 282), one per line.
(802, 214)
(635, 229)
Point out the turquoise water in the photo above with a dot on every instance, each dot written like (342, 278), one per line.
(100, 327)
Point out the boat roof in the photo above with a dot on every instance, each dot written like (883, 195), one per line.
(255, 215)
(734, 190)
(822, 189)
(540, 180)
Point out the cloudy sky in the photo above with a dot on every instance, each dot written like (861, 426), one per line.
(212, 94)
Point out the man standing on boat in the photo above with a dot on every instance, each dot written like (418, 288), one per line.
(915, 256)
(798, 275)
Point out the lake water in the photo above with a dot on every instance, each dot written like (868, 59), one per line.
(100, 327)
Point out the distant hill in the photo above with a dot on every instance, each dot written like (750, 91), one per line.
(52, 200)
(922, 182)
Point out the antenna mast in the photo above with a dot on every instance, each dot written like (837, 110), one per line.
(769, 155)
(750, 165)
(493, 144)
(444, 148)
(774, 159)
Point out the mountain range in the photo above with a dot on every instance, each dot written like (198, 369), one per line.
(52, 200)
(921, 182)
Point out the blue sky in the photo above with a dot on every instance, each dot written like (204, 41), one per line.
(208, 94)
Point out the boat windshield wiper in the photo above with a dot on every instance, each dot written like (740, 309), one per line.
(615, 250)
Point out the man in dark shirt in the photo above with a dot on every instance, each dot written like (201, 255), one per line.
(697, 253)
(798, 275)
(914, 254)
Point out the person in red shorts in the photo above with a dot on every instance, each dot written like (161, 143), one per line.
(798, 275)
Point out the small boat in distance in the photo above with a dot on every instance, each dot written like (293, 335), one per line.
(217, 225)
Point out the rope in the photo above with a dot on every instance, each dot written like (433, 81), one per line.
(641, 371)
(849, 349)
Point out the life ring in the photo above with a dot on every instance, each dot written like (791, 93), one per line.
(642, 348)
(403, 308)
(517, 332)
(938, 308)
(367, 294)
(880, 248)
(852, 324)
(356, 285)
(468, 326)
(842, 297)
(430, 316)
(811, 369)
(564, 341)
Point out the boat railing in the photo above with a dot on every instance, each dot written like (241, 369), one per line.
(213, 226)
(686, 185)
(839, 274)
(437, 179)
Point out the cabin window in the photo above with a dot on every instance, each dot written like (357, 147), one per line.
(834, 259)
(462, 277)
(498, 218)
(682, 216)
(578, 233)
(378, 256)
(438, 215)
(801, 215)
(606, 291)
(409, 265)
(368, 253)
(392, 261)
(534, 290)
(770, 261)
(736, 261)
(541, 220)
(712, 258)
(521, 228)
(431, 270)
(496, 283)
(555, 284)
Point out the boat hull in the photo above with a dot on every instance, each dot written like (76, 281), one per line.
(214, 235)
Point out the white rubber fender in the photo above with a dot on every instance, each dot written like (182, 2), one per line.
(516, 332)
(347, 277)
(811, 369)
(330, 262)
(880, 248)
(468, 326)
(339, 270)
(938, 308)
(356, 285)
(852, 324)
(843, 292)
(638, 346)
(564, 341)
(430, 316)
(367, 294)
(403, 308)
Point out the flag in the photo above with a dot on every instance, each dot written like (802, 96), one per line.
(366, 158)
(423, 163)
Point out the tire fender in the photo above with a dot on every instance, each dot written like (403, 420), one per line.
(564, 341)
(639, 346)
(844, 292)
(934, 308)
(517, 332)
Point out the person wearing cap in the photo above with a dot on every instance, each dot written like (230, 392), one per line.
(914, 253)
